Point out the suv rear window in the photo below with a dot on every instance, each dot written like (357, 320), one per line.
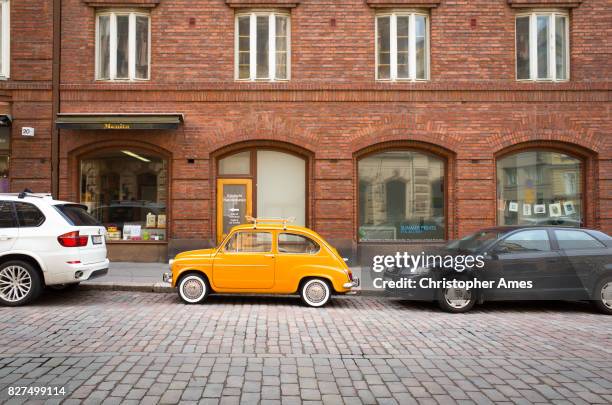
(76, 215)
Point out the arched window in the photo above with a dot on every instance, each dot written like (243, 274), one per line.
(126, 190)
(539, 187)
(401, 196)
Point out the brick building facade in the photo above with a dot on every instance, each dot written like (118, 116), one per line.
(363, 140)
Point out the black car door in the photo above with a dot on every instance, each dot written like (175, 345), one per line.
(529, 263)
(587, 256)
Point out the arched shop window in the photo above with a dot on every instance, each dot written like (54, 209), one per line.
(265, 183)
(126, 190)
(401, 196)
(539, 187)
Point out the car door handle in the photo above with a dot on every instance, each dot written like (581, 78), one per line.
(269, 255)
(5, 237)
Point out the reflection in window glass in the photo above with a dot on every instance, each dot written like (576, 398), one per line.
(545, 189)
(403, 33)
(238, 163)
(543, 23)
(123, 29)
(384, 48)
(522, 47)
(526, 241)
(126, 190)
(249, 242)
(262, 47)
(560, 47)
(244, 47)
(401, 196)
(568, 239)
(292, 243)
(421, 46)
(104, 47)
(142, 47)
(281, 47)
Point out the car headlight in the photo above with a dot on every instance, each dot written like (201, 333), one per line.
(170, 263)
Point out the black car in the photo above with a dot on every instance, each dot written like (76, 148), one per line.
(512, 263)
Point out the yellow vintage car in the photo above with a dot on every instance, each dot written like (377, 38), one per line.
(265, 257)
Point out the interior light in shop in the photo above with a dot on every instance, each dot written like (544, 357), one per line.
(135, 155)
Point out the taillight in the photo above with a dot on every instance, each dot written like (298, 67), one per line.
(72, 239)
(350, 274)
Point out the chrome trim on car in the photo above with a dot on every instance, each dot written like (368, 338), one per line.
(167, 277)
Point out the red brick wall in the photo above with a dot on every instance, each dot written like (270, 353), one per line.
(472, 108)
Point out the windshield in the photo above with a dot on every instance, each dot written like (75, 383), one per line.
(76, 215)
(475, 241)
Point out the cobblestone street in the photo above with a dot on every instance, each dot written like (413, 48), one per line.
(130, 347)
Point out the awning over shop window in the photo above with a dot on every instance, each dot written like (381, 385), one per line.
(119, 121)
(5, 120)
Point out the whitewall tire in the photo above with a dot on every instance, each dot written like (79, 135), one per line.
(315, 292)
(193, 289)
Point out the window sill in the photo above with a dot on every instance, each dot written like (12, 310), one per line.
(541, 81)
(122, 81)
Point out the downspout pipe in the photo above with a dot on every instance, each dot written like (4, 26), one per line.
(55, 96)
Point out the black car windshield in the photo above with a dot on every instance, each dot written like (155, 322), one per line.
(475, 241)
(76, 215)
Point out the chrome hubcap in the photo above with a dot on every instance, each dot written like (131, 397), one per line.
(606, 294)
(458, 297)
(15, 283)
(192, 289)
(316, 292)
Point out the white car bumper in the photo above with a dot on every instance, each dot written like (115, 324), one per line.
(75, 273)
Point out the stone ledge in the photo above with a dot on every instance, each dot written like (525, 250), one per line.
(122, 3)
(544, 3)
(403, 3)
(263, 3)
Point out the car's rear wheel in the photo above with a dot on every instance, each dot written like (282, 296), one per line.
(315, 292)
(19, 283)
(602, 297)
(456, 300)
(193, 288)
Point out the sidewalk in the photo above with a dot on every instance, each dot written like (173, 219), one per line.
(130, 276)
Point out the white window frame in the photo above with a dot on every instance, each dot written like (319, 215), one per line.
(113, 45)
(552, 48)
(6, 40)
(411, 45)
(253, 46)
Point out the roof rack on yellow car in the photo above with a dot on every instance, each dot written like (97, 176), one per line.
(283, 221)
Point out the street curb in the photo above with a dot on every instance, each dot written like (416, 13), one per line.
(165, 288)
(128, 286)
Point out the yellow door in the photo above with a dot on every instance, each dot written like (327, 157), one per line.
(234, 203)
(246, 261)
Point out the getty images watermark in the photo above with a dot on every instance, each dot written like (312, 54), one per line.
(421, 266)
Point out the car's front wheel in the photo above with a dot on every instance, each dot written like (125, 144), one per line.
(603, 296)
(456, 300)
(193, 288)
(19, 283)
(315, 292)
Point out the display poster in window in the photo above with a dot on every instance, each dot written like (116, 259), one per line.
(554, 209)
(234, 205)
(527, 210)
(569, 208)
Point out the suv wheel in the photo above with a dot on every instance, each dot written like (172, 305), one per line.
(456, 300)
(315, 292)
(19, 283)
(603, 296)
(193, 289)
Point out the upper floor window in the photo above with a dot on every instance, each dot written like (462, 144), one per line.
(402, 46)
(262, 46)
(5, 39)
(123, 45)
(542, 46)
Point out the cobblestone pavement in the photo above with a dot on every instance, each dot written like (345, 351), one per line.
(130, 347)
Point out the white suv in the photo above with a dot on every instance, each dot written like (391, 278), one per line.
(46, 242)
